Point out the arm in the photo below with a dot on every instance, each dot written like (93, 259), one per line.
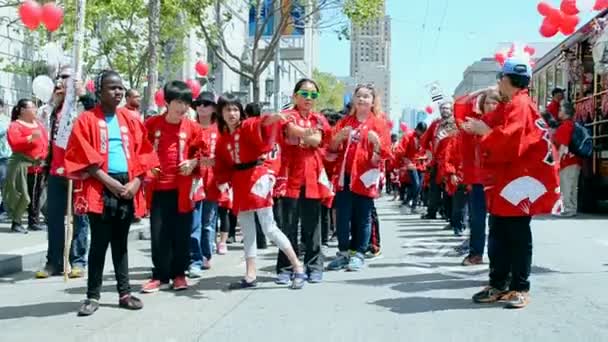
(17, 140)
(504, 142)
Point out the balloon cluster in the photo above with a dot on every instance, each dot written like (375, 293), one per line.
(527, 52)
(565, 18)
(32, 14)
(202, 69)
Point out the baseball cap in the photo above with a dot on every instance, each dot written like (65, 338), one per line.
(517, 66)
(204, 97)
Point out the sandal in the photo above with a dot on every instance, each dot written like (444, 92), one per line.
(243, 284)
(299, 279)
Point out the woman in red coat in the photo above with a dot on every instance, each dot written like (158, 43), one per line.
(28, 137)
(360, 143)
(241, 155)
(108, 147)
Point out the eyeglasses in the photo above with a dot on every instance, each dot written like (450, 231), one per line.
(63, 77)
(313, 95)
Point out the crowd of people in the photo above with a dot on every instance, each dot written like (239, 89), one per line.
(297, 178)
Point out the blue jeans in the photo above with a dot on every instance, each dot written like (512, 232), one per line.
(3, 166)
(458, 204)
(353, 211)
(477, 220)
(57, 193)
(414, 189)
(202, 237)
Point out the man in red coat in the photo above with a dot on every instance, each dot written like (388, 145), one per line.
(522, 163)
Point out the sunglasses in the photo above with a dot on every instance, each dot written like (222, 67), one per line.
(63, 77)
(313, 95)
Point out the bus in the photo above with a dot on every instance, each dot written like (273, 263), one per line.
(570, 65)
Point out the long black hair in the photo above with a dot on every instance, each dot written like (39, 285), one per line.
(21, 104)
(253, 110)
(223, 102)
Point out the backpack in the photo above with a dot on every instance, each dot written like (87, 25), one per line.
(581, 144)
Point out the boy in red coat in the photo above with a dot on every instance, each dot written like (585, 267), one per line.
(522, 163)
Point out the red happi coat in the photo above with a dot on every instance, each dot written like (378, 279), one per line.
(365, 172)
(191, 146)
(452, 164)
(563, 136)
(88, 145)
(248, 144)
(305, 164)
(210, 136)
(521, 161)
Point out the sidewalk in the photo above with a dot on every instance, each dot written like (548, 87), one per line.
(20, 252)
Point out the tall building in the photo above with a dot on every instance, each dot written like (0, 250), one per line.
(370, 52)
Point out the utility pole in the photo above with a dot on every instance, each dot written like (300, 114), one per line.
(277, 56)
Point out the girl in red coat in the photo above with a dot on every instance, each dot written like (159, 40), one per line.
(241, 155)
(28, 137)
(361, 141)
(178, 143)
(307, 181)
(109, 148)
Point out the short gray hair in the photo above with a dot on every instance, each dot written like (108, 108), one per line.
(568, 108)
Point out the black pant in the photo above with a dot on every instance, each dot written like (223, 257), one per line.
(308, 212)
(260, 238)
(403, 191)
(227, 221)
(35, 184)
(328, 224)
(434, 194)
(374, 241)
(170, 232)
(114, 231)
(510, 248)
(458, 203)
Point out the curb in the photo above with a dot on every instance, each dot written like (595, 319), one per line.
(32, 257)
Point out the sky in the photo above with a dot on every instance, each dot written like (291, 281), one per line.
(439, 44)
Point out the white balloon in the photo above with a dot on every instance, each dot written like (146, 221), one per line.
(585, 5)
(43, 86)
(54, 54)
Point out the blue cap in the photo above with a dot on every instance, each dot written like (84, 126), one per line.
(517, 66)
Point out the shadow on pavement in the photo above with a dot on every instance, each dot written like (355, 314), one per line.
(413, 305)
(412, 278)
(38, 310)
(454, 284)
(16, 277)
(421, 264)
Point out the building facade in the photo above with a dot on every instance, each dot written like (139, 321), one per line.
(370, 56)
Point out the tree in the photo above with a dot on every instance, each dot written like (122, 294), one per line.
(153, 33)
(331, 91)
(262, 49)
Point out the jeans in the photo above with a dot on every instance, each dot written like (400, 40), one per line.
(458, 204)
(307, 212)
(108, 231)
(3, 167)
(568, 182)
(354, 212)
(477, 220)
(204, 222)
(414, 188)
(434, 195)
(170, 232)
(510, 251)
(57, 190)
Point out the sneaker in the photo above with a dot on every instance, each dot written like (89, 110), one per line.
(340, 262)
(315, 277)
(428, 217)
(298, 281)
(447, 227)
(18, 228)
(195, 272)
(130, 302)
(88, 307)
(222, 248)
(567, 214)
(180, 283)
(206, 264)
(488, 295)
(283, 278)
(76, 272)
(47, 271)
(231, 240)
(153, 285)
(356, 262)
(373, 255)
(516, 300)
(472, 260)
(35, 227)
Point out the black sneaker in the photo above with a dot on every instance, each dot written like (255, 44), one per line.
(428, 217)
(88, 307)
(231, 240)
(35, 227)
(489, 295)
(130, 302)
(18, 228)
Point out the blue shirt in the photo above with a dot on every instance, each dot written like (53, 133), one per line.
(5, 150)
(117, 161)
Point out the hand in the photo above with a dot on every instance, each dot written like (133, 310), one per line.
(344, 133)
(309, 132)
(155, 171)
(454, 179)
(186, 167)
(273, 118)
(208, 162)
(476, 126)
(428, 155)
(80, 88)
(131, 188)
(36, 134)
(115, 187)
(373, 138)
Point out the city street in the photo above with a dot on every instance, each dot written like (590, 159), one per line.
(417, 291)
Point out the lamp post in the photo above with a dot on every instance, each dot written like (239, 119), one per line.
(269, 85)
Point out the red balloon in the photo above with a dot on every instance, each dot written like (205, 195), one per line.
(30, 13)
(403, 127)
(195, 86)
(544, 8)
(500, 58)
(570, 21)
(547, 29)
(202, 68)
(159, 98)
(529, 50)
(90, 86)
(569, 7)
(52, 16)
(555, 17)
(429, 110)
(600, 5)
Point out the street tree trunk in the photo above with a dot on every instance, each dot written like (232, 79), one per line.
(154, 34)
